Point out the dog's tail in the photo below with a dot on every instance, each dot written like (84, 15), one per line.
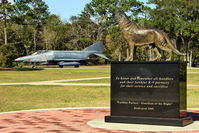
(171, 45)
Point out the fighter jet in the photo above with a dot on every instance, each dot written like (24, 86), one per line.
(64, 58)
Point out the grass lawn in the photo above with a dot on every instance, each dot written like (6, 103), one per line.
(193, 78)
(193, 98)
(54, 74)
(91, 81)
(193, 92)
(13, 98)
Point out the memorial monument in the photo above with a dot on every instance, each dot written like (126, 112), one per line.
(149, 93)
(152, 92)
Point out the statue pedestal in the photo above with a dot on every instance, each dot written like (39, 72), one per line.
(149, 93)
(150, 120)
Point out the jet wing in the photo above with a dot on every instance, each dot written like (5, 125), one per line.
(101, 55)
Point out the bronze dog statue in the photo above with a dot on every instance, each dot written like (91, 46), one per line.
(137, 36)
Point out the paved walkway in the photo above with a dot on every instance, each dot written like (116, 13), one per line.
(64, 121)
(60, 82)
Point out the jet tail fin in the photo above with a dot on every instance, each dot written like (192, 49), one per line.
(95, 47)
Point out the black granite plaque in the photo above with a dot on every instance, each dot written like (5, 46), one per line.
(148, 93)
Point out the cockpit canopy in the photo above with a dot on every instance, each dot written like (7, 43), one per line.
(40, 52)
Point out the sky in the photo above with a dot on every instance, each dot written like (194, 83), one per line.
(67, 8)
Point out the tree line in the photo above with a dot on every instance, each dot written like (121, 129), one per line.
(27, 26)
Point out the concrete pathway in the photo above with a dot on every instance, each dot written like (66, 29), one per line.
(60, 82)
(193, 72)
(190, 85)
(81, 68)
(75, 121)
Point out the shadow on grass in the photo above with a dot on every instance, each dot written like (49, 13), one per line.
(22, 69)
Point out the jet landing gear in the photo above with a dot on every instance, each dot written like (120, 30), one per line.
(33, 66)
(76, 66)
(60, 66)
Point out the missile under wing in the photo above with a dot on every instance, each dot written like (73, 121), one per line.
(64, 58)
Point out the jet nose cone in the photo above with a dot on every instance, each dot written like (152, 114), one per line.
(18, 59)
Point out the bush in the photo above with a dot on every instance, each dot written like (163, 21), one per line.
(18, 64)
(7, 55)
